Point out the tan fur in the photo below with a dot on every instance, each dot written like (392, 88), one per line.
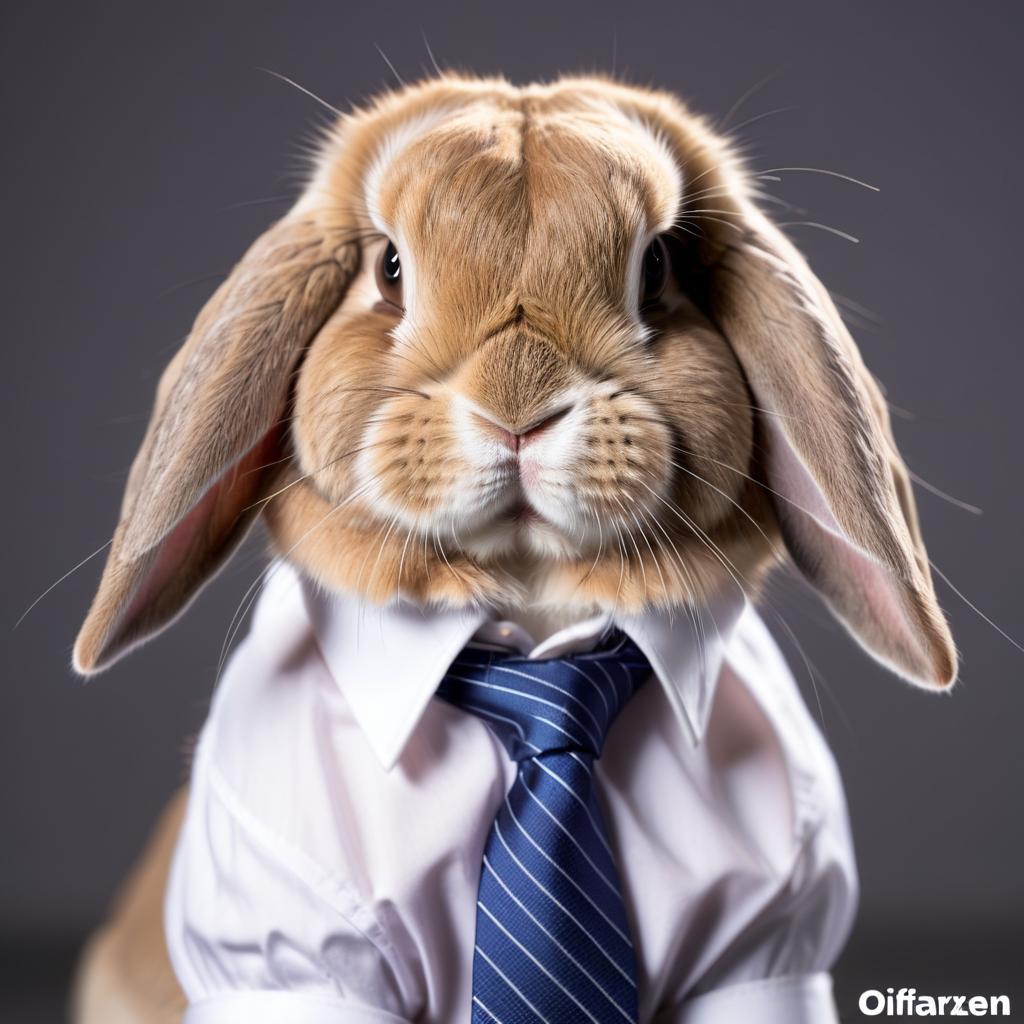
(125, 976)
(679, 449)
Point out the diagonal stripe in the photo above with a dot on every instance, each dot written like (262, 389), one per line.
(551, 686)
(554, 725)
(517, 965)
(530, 696)
(513, 939)
(490, 1013)
(595, 825)
(487, 713)
(598, 830)
(522, 906)
(611, 682)
(615, 928)
(561, 906)
(511, 984)
(597, 689)
(572, 839)
(627, 678)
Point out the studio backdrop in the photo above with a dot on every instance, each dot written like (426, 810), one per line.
(145, 146)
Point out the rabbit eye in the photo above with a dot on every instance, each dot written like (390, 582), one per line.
(653, 273)
(389, 275)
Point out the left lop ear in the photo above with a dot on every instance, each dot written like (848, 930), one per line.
(842, 493)
(193, 486)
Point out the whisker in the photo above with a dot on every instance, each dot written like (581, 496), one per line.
(401, 560)
(757, 526)
(643, 537)
(760, 117)
(191, 283)
(263, 502)
(746, 476)
(819, 170)
(260, 581)
(715, 550)
(391, 66)
(391, 522)
(439, 549)
(855, 307)
(713, 209)
(738, 228)
(752, 91)
(974, 608)
(689, 582)
(821, 227)
(932, 489)
(597, 557)
(704, 404)
(312, 95)
(807, 665)
(57, 583)
(266, 201)
(430, 54)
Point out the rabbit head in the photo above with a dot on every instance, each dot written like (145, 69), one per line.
(519, 345)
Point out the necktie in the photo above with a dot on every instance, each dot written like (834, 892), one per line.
(552, 940)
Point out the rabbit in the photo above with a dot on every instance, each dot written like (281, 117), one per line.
(473, 263)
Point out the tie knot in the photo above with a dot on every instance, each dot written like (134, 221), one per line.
(555, 704)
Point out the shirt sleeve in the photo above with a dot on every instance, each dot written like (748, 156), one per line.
(776, 969)
(316, 957)
(797, 999)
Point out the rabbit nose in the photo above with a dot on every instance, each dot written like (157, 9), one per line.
(516, 441)
(516, 378)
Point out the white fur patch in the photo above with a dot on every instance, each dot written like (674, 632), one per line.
(393, 144)
(658, 146)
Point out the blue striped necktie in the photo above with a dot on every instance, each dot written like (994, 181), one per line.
(553, 944)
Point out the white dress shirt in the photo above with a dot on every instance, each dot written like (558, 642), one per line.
(328, 867)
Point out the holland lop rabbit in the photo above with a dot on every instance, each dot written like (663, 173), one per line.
(529, 349)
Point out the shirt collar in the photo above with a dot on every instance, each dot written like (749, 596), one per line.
(389, 660)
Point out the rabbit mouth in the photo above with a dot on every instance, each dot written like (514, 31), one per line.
(523, 516)
(518, 529)
(525, 513)
(519, 517)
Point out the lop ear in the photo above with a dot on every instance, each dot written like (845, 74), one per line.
(842, 493)
(215, 428)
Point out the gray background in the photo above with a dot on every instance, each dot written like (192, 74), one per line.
(135, 138)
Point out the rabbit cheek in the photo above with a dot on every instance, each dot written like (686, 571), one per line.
(333, 402)
(702, 394)
(412, 467)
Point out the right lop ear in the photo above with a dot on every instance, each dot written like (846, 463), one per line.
(214, 430)
(841, 490)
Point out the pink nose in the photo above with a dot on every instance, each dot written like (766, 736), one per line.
(513, 440)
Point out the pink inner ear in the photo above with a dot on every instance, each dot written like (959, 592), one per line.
(195, 547)
(797, 491)
(866, 596)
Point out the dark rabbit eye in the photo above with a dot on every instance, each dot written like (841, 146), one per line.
(653, 273)
(389, 275)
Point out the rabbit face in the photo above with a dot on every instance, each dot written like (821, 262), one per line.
(533, 390)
